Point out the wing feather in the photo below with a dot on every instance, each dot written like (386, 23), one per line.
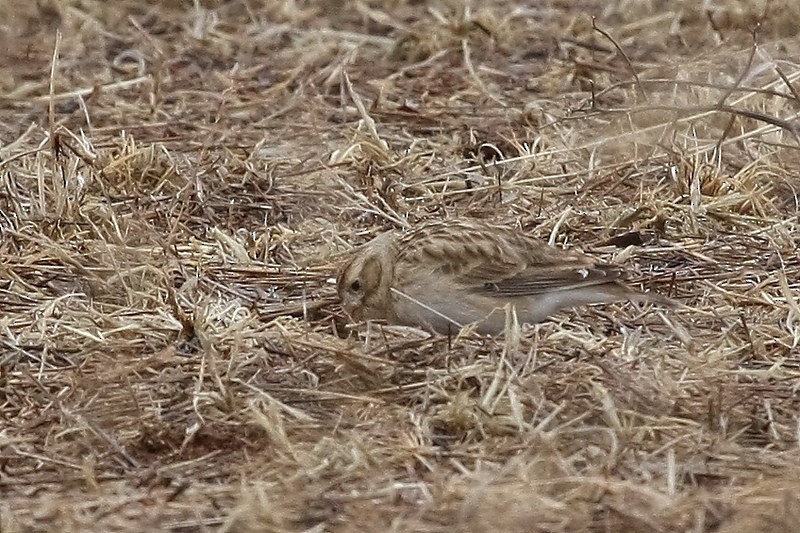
(537, 280)
(500, 262)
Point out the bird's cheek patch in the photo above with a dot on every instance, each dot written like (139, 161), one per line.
(371, 274)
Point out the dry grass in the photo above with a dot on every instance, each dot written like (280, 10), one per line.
(178, 183)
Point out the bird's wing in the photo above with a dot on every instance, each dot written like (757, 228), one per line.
(539, 271)
(493, 261)
(539, 279)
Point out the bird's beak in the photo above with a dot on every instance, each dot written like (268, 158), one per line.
(352, 311)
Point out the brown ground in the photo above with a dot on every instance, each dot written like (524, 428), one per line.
(179, 184)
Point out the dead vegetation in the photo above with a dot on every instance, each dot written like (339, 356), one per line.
(178, 181)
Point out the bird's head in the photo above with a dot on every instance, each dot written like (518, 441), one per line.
(364, 282)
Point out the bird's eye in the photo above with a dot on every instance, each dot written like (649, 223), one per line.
(355, 286)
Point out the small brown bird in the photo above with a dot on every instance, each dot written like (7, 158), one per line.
(445, 275)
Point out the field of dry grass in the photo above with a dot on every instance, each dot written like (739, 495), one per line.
(179, 181)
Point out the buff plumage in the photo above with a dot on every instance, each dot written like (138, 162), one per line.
(445, 275)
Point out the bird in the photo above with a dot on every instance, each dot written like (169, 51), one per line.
(447, 274)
